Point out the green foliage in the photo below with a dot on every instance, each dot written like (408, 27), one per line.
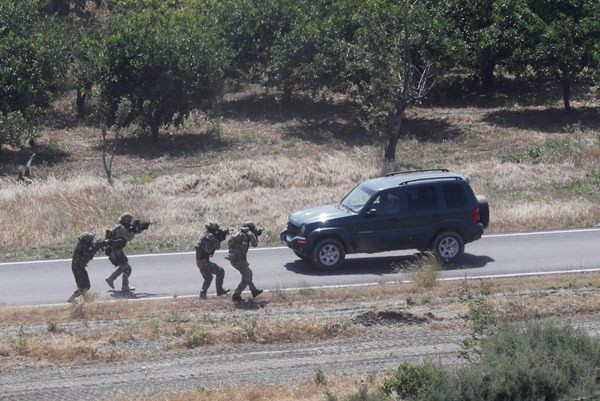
(481, 314)
(531, 361)
(516, 362)
(562, 39)
(412, 382)
(165, 60)
(33, 64)
(320, 377)
(532, 154)
(14, 128)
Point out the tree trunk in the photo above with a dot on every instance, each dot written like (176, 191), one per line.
(565, 83)
(80, 103)
(488, 81)
(394, 125)
(154, 127)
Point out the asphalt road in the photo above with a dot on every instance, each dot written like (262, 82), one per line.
(166, 275)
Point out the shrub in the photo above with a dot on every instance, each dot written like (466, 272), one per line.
(412, 381)
(320, 377)
(363, 394)
(527, 361)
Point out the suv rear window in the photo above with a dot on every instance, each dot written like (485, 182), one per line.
(421, 199)
(455, 196)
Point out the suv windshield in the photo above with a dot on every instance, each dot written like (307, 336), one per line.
(357, 198)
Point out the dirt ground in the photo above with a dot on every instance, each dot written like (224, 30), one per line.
(357, 333)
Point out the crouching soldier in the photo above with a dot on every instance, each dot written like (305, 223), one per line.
(84, 252)
(205, 248)
(238, 244)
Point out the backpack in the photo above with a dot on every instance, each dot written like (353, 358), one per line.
(237, 243)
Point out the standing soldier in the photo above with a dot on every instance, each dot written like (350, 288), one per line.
(119, 237)
(238, 244)
(84, 252)
(205, 248)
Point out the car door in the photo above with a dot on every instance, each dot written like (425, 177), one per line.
(379, 227)
(422, 212)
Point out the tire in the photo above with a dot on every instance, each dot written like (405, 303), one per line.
(328, 254)
(449, 246)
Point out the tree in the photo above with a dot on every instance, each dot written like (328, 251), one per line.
(33, 64)
(165, 60)
(384, 53)
(251, 27)
(567, 34)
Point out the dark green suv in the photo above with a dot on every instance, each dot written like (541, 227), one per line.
(422, 209)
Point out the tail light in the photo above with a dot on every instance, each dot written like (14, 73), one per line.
(476, 215)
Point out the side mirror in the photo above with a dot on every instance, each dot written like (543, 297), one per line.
(371, 213)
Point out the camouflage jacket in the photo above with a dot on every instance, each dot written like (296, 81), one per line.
(121, 235)
(82, 255)
(207, 246)
(239, 242)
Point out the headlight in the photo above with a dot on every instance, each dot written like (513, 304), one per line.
(302, 229)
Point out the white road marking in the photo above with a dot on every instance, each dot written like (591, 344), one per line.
(583, 230)
(334, 286)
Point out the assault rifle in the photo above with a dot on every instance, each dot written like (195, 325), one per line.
(140, 225)
(100, 244)
(256, 230)
(221, 234)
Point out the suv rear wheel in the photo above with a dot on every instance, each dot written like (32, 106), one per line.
(328, 254)
(449, 246)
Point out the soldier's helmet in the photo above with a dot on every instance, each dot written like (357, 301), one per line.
(86, 237)
(126, 218)
(249, 225)
(212, 227)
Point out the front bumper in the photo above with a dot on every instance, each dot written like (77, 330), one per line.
(298, 244)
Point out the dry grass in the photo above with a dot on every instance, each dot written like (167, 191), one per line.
(303, 390)
(424, 271)
(539, 168)
(188, 323)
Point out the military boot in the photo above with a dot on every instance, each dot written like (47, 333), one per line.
(256, 292)
(203, 294)
(236, 298)
(222, 291)
(110, 282)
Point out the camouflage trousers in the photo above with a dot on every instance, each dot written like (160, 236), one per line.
(244, 268)
(81, 279)
(208, 269)
(125, 270)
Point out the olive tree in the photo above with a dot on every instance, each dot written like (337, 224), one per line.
(166, 60)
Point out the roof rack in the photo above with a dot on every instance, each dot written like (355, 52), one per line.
(443, 170)
(430, 178)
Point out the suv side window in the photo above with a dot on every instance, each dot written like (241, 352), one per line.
(421, 199)
(387, 203)
(455, 196)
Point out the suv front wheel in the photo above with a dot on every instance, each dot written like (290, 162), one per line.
(328, 254)
(449, 246)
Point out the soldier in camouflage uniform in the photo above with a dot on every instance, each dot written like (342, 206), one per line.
(84, 252)
(238, 244)
(205, 248)
(120, 236)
